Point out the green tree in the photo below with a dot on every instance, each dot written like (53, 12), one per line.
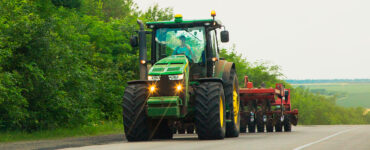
(65, 63)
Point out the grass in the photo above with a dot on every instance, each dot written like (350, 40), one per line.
(104, 128)
(356, 94)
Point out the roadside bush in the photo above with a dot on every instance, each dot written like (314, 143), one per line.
(65, 63)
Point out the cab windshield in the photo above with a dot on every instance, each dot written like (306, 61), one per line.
(181, 41)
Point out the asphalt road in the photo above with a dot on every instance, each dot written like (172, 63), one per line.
(302, 137)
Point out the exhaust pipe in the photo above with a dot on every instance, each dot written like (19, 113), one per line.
(142, 51)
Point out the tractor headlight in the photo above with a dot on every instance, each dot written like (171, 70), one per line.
(178, 87)
(152, 88)
(176, 77)
(154, 78)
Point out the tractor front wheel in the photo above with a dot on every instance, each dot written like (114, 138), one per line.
(135, 121)
(210, 111)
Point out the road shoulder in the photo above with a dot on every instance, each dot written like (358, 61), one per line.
(63, 143)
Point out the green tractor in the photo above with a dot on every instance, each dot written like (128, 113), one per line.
(185, 86)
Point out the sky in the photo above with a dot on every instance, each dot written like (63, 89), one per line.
(308, 39)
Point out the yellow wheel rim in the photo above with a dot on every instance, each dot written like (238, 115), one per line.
(235, 104)
(221, 112)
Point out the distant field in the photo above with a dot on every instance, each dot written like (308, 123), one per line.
(356, 94)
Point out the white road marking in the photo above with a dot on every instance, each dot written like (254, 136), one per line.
(323, 139)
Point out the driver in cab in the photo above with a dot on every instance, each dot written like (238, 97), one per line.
(184, 49)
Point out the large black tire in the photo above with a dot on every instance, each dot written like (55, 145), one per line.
(135, 122)
(260, 123)
(278, 125)
(210, 112)
(252, 127)
(269, 125)
(287, 124)
(233, 101)
(161, 129)
(243, 127)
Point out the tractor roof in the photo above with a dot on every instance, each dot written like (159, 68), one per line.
(185, 23)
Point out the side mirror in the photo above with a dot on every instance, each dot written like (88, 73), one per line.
(134, 42)
(224, 36)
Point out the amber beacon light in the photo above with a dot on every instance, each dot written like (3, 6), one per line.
(213, 13)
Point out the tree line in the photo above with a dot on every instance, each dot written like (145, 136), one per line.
(308, 81)
(65, 63)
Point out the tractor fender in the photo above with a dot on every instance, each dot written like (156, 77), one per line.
(223, 69)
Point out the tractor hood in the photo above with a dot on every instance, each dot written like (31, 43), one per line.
(176, 64)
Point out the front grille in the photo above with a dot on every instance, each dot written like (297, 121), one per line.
(166, 87)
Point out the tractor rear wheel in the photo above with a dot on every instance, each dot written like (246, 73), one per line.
(210, 111)
(233, 101)
(135, 121)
